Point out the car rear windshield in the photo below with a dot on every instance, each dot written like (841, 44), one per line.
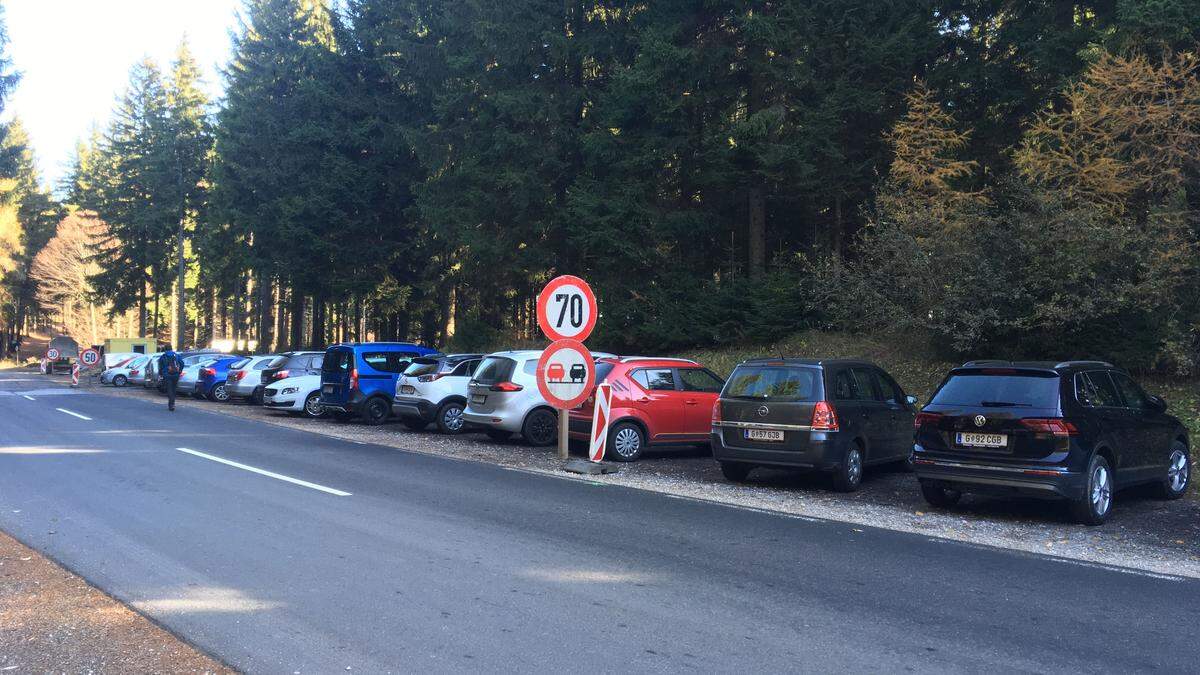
(603, 368)
(495, 369)
(240, 363)
(421, 367)
(338, 361)
(774, 383)
(999, 389)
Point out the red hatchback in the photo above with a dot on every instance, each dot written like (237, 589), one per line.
(654, 402)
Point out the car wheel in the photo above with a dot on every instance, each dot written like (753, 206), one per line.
(256, 398)
(312, 406)
(541, 427)
(499, 434)
(736, 472)
(415, 423)
(450, 419)
(938, 496)
(848, 476)
(1179, 472)
(1093, 507)
(375, 411)
(120, 381)
(219, 393)
(626, 442)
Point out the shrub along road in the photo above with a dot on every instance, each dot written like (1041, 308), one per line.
(277, 549)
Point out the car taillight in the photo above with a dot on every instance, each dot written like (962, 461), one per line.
(924, 418)
(430, 378)
(236, 375)
(209, 372)
(506, 386)
(134, 372)
(354, 378)
(824, 418)
(1050, 425)
(283, 374)
(716, 412)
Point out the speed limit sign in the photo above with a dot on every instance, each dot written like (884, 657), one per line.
(566, 309)
(52, 354)
(89, 357)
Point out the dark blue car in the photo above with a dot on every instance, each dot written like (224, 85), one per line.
(210, 382)
(360, 378)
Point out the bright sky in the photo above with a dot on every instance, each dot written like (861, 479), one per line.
(74, 57)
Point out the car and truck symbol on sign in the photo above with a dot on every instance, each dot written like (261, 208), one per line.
(556, 373)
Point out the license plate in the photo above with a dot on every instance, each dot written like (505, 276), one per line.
(976, 440)
(478, 398)
(327, 389)
(406, 389)
(764, 435)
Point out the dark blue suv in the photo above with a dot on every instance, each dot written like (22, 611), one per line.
(360, 378)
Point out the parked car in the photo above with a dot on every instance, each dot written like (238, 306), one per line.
(244, 382)
(142, 374)
(192, 364)
(434, 389)
(118, 358)
(295, 395)
(655, 402)
(832, 415)
(360, 378)
(212, 379)
(504, 398)
(118, 373)
(293, 364)
(1076, 430)
(189, 358)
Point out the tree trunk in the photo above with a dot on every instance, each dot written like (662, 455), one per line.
(757, 244)
(266, 321)
(142, 310)
(181, 290)
(297, 319)
(318, 323)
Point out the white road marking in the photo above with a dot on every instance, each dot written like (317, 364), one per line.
(264, 472)
(28, 397)
(74, 414)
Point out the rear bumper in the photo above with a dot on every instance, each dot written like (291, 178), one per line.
(1000, 479)
(406, 406)
(242, 390)
(820, 450)
(495, 420)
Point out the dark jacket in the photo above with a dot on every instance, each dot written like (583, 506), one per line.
(170, 366)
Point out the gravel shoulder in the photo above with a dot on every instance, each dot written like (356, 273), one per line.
(51, 621)
(1143, 533)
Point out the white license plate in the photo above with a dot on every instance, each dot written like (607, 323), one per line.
(328, 389)
(764, 435)
(969, 439)
(406, 389)
(478, 398)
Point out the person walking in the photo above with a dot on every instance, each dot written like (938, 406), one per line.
(170, 367)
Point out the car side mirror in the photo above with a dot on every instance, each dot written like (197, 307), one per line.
(1157, 404)
(912, 400)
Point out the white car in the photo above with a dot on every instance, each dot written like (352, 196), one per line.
(434, 389)
(117, 358)
(504, 398)
(296, 395)
(118, 374)
(244, 381)
(142, 373)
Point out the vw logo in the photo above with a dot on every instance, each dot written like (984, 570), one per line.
(980, 420)
(763, 411)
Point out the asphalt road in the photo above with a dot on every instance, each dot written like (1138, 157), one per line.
(312, 554)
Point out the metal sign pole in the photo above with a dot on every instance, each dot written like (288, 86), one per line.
(564, 425)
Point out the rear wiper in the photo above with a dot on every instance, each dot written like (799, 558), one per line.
(1003, 404)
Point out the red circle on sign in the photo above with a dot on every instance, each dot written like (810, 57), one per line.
(545, 369)
(89, 357)
(543, 305)
(52, 354)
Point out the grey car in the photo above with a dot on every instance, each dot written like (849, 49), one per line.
(245, 378)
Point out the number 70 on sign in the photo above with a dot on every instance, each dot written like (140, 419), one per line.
(567, 309)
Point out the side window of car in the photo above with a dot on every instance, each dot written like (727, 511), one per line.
(654, 379)
(864, 385)
(262, 364)
(1096, 389)
(316, 361)
(530, 367)
(843, 387)
(377, 360)
(892, 393)
(1134, 396)
(698, 379)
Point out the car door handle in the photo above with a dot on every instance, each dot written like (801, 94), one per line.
(644, 399)
(691, 401)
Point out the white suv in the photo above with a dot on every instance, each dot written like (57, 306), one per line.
(504, 398)
(434, 389)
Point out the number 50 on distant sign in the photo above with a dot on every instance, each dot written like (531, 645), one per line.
(567, 309)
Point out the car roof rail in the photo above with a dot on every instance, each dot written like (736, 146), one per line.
(1101, 364)
(672, 359)
(986, 362)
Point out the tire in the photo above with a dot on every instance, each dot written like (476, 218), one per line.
(219, 393)
(312, 406)
(1095, 505)
(626, 442)
(540, 428)
(848, 476)
(415, 423)
(120, 381)
(736, 472)
(499, 434)
(1179, 472)
(375, 411)
(257, 397)
(449, 418)
(942, 498)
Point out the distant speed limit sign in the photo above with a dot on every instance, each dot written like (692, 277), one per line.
(566, 309)
(89, 357)
(52, 354)
(566, 374)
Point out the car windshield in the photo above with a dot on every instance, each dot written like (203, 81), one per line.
(494, 369)
(337, 361)
(774, 383)
(1000, 389)
(603, 368)
(421, 367)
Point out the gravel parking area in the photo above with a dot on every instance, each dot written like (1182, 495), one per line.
(51, 621)
(1143, 533)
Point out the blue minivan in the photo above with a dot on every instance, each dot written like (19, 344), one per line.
(360, 378)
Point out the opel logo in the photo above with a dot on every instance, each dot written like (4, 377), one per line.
(763, 411)
(980, 420)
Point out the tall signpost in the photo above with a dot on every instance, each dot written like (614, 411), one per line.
(566, 373)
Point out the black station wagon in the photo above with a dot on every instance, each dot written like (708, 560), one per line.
(1077, 430)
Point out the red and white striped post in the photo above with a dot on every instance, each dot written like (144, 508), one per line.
(75, 374)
